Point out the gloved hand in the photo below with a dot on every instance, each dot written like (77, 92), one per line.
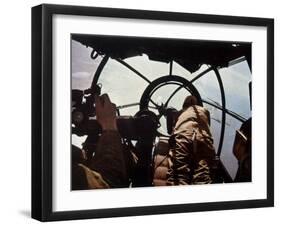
(106, 112)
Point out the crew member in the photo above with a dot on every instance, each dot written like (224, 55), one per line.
(107, 168)
(191, 152)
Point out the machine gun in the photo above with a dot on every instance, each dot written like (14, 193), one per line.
(141, 126)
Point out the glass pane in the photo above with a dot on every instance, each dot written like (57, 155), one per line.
(149, 68)
(200, 70)
(181, 71)
(227, 157)
(83, 67)
(78, 141)
(122, 85)
(236, 80)
(208, 87)
(129, 110)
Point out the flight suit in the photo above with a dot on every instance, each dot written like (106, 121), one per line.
(191, 152)
(107, 168)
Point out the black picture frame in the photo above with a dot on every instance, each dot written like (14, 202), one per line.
(42, 95)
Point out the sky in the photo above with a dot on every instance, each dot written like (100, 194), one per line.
(125, 87)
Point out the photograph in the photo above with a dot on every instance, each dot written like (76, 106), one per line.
(141, 112)
(148, 112)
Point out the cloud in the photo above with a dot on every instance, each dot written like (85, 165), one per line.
(81, 75)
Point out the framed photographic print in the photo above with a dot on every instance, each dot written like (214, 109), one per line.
(146, 112)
